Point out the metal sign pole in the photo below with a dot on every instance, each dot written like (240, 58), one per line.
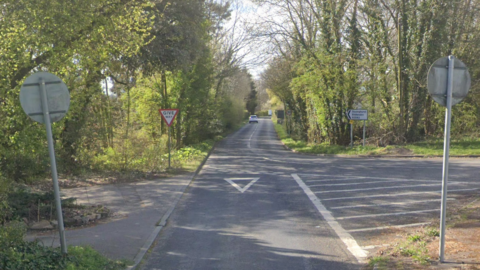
(446, 150)
(169, 147)
(351, 134)
(363, 133)
(53, 165)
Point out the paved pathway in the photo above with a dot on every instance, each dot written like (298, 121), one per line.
(138, 207)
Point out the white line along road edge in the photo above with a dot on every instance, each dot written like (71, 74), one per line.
(352, 245)
(245, 188)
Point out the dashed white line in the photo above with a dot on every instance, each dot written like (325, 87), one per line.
(349, 241)
(389, 214)
(250, 139)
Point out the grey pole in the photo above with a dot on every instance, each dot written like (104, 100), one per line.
(53, 165)
(169, 147)
(363, 133)
(351, 135)
(446, 150)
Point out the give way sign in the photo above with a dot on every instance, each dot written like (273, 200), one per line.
(168, 115)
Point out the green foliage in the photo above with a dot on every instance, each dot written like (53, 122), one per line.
(5, 186)
(432, 232)
(233, 114)
(433, 147)
(378, 261)
(414, 247)
(18, 254)
(461, 147)
(371, 63)
(121, 61)
(15, 253)
(86, 258)
(418, 252)
(262, 113)
(281, 132)
(251, 101)
(25, 204)
(414, 238)
(193, 152)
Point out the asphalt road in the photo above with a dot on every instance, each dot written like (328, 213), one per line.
(256, 205)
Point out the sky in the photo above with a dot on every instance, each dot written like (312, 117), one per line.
(249, 13)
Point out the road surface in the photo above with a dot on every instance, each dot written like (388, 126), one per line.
(256, 205)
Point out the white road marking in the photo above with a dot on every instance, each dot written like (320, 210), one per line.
(377, 181)
(245, 188)
(250, 139)
(375, 246)
(389, 227)
(398, 194)
(377, 188)
(390, 214)
(351, 184)
(349, 241)
(382, 195)
(352, 178)
(385, 204)
(465, 189)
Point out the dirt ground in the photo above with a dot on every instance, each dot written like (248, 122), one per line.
(418, 248)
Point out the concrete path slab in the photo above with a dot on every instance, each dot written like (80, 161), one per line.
(138, 208)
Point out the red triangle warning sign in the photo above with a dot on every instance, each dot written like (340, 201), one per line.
(168, 115)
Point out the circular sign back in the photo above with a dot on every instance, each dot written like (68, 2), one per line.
(437, 81)
(58, 97)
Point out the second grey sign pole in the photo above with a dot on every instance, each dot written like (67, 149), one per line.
(446, 151)
(169, 151)
(363, 133)
(351, 134)
(53, 165)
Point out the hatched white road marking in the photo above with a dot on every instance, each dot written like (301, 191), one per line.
(245, 188)
(389, 227)
(377, 188)
(389, 203)
(399, 194)
(389, 214)
(352, 178)
(352, 245)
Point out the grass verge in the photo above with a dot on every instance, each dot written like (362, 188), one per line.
(431, 147)
(410, 253)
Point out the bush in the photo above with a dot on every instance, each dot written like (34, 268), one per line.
(232, 114)
(4, 189)
(262, 113)
(17, 254)
(86, 258)
(25, 204)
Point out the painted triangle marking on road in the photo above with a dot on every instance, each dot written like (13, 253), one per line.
(245, 188)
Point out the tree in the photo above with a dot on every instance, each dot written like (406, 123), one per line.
(251, 103)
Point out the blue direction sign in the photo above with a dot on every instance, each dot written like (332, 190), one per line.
(357, 114)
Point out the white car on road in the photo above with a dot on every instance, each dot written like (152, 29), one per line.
(253, 119)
